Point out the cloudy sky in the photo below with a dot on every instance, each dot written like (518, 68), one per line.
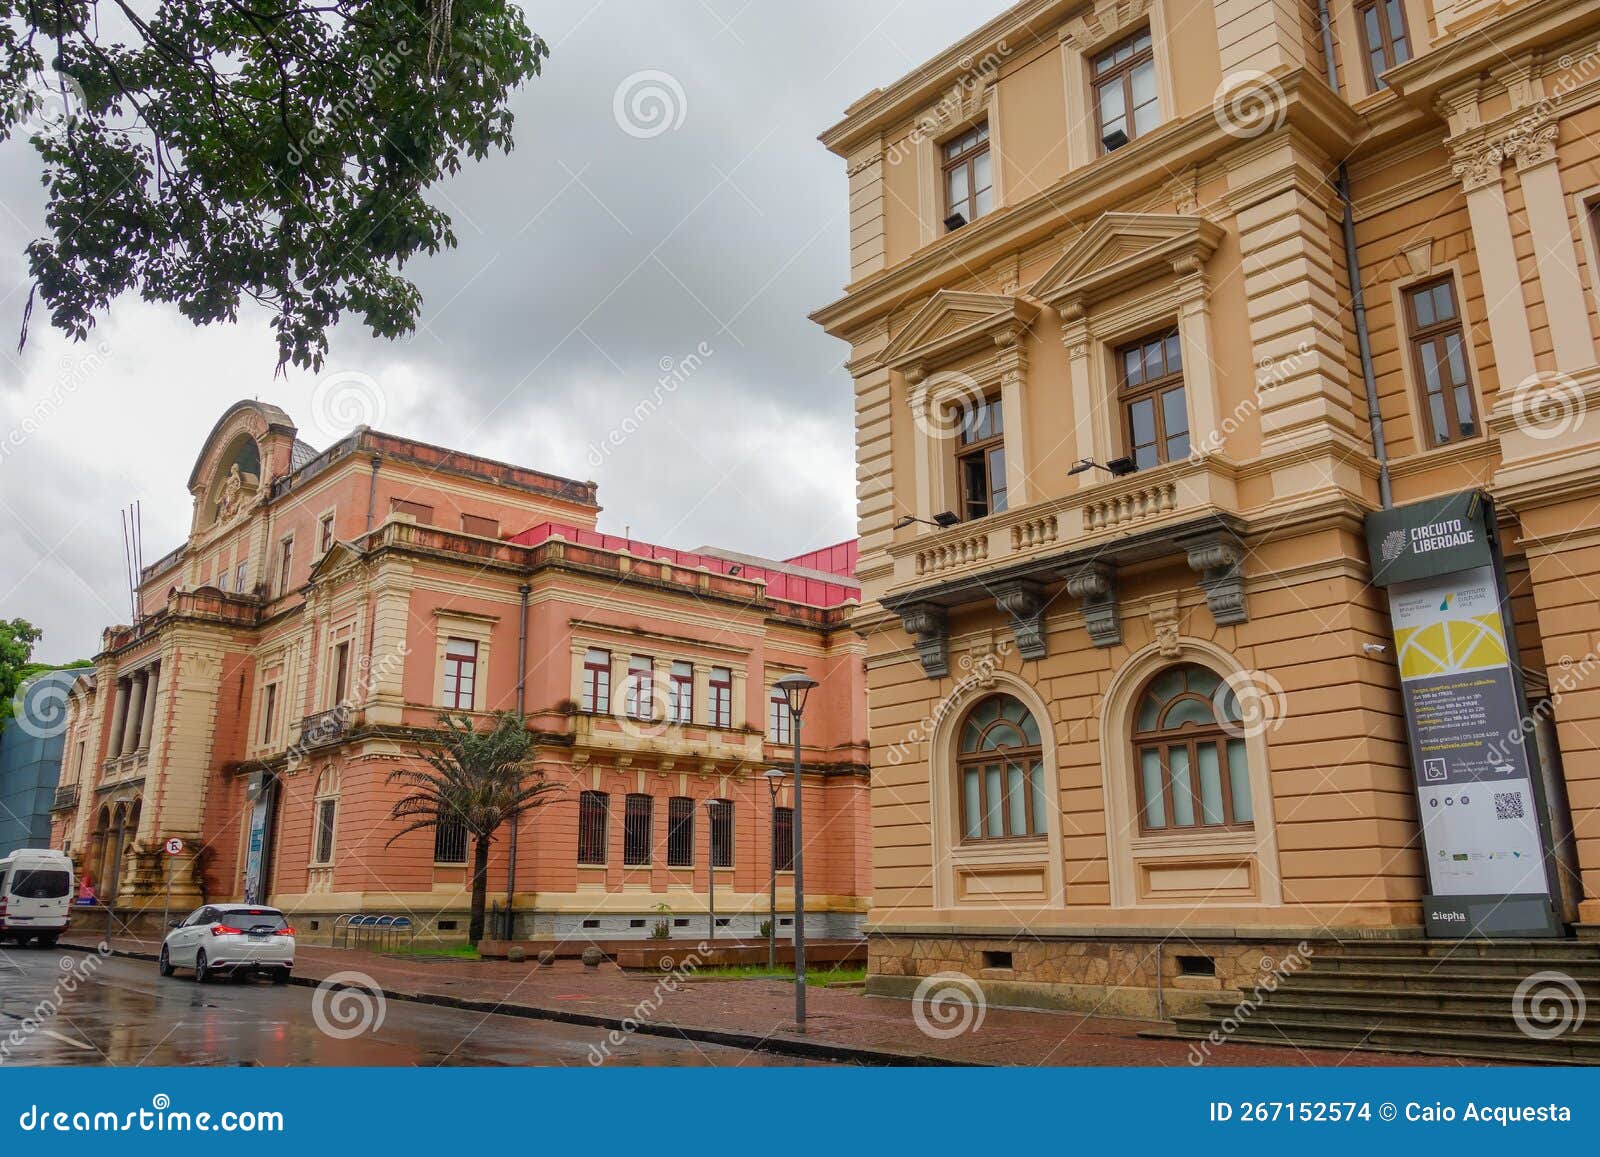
(589, 257)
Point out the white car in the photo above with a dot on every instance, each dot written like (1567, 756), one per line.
(233, 940)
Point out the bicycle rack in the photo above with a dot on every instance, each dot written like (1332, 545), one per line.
(374, 933)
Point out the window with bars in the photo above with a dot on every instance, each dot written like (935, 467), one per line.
(639, 691)
(783, 839)
(780, 722)
(1125, 101)
(638, 812)
(722, 835)
(680, 693)
(460, 674)
(1385, 41)
(594, 810)
(720, 686)
(981, 460)
(450, 841)
(1155, 409)
(323, 852)
(1439, 364)
(680, 832)
(596, 697)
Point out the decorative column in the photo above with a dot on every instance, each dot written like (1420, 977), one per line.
(1194, 332)
(741, 709)
(702, 692)
(147, 725)
(119, 719)
(1091, 431)
(1478, 167)
(135, 709)
(660, 681)
(619, 683)
(1013, 365)
(1565, 300)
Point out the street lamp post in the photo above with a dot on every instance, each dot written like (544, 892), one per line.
(795, 689)
(774, 782)
(711, 860)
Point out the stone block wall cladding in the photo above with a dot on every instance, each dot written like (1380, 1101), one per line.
(1216, 228)
(327, 607)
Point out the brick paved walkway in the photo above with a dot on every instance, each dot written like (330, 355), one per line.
(842, 1023)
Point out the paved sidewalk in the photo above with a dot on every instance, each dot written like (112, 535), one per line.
(842, 1024)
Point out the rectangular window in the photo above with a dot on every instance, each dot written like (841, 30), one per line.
(222, 580)
(596, 694)
(285, 564)
(325, 534)
(341, 673)
(1439, 364)
(680, 693)
(1124, 78)
(680, 832)
(639, 691)
(594, 809)
(722, 835)
(981, 460)
(720, 709)
(783, 838)
(324, 848)
(269, 711)
(450, 841)
(780, 723)
(460, 674)
(480, 526)
(421, 512)
(239, 578)
(1384, 40)
(637, 816)
(1154, 408)
(968, 178)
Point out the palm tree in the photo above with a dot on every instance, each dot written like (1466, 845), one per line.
(478, 779)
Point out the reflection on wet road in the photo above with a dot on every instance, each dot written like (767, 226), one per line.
(115, 1011)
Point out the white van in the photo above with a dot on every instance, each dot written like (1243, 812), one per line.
(35, 895)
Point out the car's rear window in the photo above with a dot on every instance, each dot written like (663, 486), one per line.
(41, 884)
(254, 918)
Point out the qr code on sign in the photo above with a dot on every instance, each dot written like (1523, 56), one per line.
(1508, 806)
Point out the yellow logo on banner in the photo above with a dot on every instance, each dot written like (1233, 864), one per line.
(1451, 646)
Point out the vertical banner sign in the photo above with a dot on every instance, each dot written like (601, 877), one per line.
(256, 848)
(1485, 829)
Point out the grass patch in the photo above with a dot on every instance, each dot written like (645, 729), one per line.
(433, 949)
(818, 977)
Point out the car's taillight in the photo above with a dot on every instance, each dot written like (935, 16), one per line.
(224, 930)
(285, 931)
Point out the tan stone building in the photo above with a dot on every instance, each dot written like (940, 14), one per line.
(1263, 266)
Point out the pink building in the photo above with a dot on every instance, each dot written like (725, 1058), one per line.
(327, 606)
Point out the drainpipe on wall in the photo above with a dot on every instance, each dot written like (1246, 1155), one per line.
(522, 709)
(1358, 298)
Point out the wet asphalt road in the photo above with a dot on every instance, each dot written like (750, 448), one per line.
(116, 1011)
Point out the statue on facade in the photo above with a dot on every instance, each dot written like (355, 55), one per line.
(231, 491)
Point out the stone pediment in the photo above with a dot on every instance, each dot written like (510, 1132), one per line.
(335, 559)
(1121, 250)
(953, 324)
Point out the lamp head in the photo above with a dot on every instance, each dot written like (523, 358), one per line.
(796, 688)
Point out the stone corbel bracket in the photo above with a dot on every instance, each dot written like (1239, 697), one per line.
(1096, 584)
(931, 626)
(1219, 561)
(1023, 603)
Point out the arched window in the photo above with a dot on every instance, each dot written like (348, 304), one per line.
(1190, 763)
(1000, 772)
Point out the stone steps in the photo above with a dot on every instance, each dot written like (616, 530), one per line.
(1269, 1028)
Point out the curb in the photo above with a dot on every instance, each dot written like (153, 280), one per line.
(791, 1046)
